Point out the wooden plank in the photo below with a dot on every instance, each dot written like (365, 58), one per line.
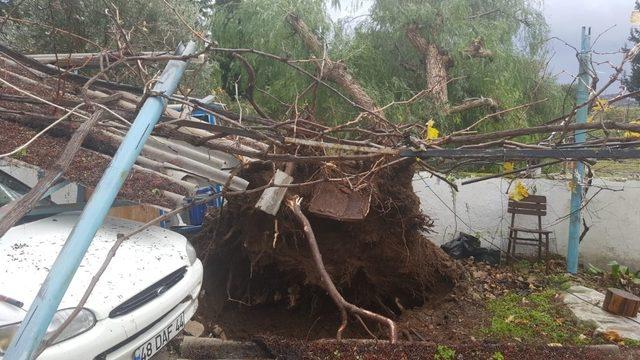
(271, 198)
(141, 213)
(535, 198)
(526, 205)
(531, 231)
(527, 212)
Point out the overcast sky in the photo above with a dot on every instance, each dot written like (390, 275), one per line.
(565, 18)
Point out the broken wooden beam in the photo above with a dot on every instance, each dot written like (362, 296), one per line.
(271, 198)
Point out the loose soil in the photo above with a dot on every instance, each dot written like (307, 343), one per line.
(458, 319)
(290, 349)
(457, 316)
(383, 263)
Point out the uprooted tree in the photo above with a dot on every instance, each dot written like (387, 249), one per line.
(327, 107)
(418, 50)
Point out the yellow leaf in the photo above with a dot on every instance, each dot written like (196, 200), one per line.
(635, 17)
(519, 192)
(613, 336)
(507, 166)
(632, 134)
(590, 119)
(601, 105)
(431, 133)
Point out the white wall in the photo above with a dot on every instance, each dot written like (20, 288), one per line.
(613, 216)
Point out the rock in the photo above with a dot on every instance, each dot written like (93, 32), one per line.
(585, 303)
(607, 348)
(218, 332)
(194, 328)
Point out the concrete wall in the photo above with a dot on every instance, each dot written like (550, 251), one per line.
(613, 215)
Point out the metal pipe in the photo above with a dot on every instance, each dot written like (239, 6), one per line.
(584, 80)
(583, 154)
(35, 323)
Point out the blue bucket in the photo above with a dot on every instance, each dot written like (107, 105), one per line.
(197, 213)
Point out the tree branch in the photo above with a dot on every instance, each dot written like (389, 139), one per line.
(342, 304)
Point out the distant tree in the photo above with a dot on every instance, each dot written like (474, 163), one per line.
(146, 25)
(632, 81)
(43, 26)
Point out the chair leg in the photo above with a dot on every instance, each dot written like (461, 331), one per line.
(511, 248)
(546, 251)
(540, 246)
(540, 249)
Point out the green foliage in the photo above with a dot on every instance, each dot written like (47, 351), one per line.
(497, 356)
(559, 281)
(632, 343)
(623, 275)
(632, 81)
(150, 24)
(444, 353)
(510, 28)
(262, 25)
(533, 318)
(378, 54)
(374, 48)
(21, 153)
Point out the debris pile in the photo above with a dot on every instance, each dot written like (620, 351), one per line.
(365, 222)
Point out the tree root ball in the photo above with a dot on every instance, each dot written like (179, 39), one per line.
(384, 261)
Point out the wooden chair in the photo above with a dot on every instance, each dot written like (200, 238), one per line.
(532, 205)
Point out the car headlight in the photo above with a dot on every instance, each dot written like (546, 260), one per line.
(191, 253)
(81, 323)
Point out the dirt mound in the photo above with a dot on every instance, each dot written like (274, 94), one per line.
(382, 262)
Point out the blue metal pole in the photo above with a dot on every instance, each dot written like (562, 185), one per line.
(582, 95)
(35, 323)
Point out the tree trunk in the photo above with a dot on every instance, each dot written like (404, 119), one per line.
(621, 302)
(334, 71)
(436, 63)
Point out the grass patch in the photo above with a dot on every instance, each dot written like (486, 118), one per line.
(536, 318)
(632, 343)
(444, 353)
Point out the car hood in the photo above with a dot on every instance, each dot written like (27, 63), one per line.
(28, 251)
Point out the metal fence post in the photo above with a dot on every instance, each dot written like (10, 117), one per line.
(582, 95)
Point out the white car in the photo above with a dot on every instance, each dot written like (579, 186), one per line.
(142, 300)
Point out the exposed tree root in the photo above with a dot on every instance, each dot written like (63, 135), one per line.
(343, 305)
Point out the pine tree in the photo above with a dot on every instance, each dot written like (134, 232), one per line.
(632, 81)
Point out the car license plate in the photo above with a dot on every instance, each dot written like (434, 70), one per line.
(161, 339)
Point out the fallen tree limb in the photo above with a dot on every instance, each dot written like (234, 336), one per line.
(15, 210)
(342, 304)
(335, 71)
